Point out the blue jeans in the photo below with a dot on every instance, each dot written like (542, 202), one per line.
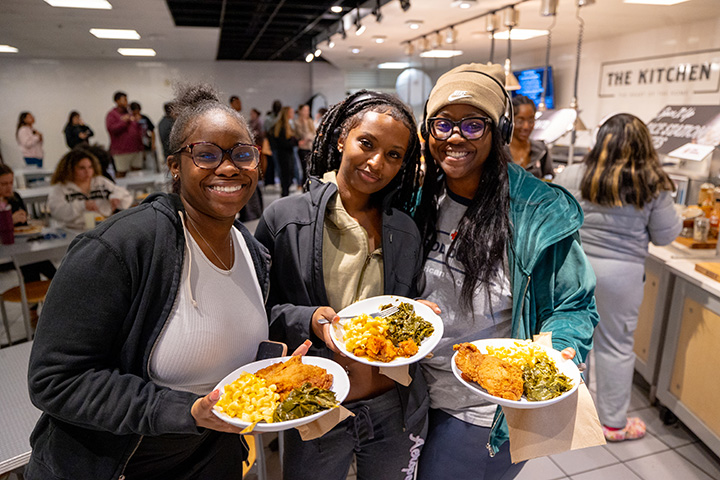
(33, 161)
(384, 448)
(456, 450)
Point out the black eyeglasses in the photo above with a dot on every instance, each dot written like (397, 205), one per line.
(209, 156)
(471, 128)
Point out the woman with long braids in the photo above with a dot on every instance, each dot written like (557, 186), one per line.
(503, 259)
(349, 237)
(625, 195)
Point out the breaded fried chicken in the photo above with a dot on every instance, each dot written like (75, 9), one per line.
(497, 376)
(293, 374)
(381, 348)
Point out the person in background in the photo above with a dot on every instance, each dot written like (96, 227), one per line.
(503, 259)
(236, 104)
(126, 144)
(148, 312)
(532, 155)
(147, 133)
(305, 131)
(626, 197)
(254, 207)
(319, 116)
(31, 272)
(29, 140)
(283, 145)
(76, 132)
(79, 187)
(107, 166)
(272, 161)
(164, 128)
(350, 237)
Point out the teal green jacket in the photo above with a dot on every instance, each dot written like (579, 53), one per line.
(553, 284)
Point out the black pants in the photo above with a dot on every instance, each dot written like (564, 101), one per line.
(286, 162)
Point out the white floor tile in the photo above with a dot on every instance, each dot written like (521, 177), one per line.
(631, 449)
(586, 459)
(701, 457)
(667, 465)
(540, 469)
(638, 399)
(671, 435)
(615, 472)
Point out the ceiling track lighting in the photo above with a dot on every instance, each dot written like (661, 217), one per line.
(359, 27)
(405, 5)
(336, 9)
(376, 11)
(436, 40)
(409, 48)
(341, 29)
(309, 57)
(330, 42)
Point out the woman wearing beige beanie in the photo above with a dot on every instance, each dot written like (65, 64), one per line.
(503, 259)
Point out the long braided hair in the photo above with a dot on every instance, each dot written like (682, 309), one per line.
(484, 232)
(348, 114)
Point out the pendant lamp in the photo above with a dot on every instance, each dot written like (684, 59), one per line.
(491, 25)
(511, 20)
(548, 8)
(578, 125)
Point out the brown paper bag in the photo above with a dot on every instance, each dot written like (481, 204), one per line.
(400, 374)
(570, 424)
(324, 424)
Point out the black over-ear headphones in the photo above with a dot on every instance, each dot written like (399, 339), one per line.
(506, 122)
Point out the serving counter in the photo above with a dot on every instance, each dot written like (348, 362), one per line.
(677, 338)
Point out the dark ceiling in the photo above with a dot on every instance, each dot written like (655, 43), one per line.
(260, 29)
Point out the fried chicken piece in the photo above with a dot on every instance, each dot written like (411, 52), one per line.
(498, 377)
(293, 374)
(381, 348)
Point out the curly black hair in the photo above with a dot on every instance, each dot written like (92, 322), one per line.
(348, 114)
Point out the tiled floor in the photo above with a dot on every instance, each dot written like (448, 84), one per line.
(668, 452)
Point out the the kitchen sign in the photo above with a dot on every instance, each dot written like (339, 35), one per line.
(662, 76)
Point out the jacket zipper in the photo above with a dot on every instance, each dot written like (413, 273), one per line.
(122, 473)
(362, 275)
(492, 428)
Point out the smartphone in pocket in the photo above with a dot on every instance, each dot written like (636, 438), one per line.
(270, 349)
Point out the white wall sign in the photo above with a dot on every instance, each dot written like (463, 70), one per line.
(677, 74)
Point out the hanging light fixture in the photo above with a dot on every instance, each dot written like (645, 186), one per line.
(511, 20)
(330, 42)
(424, 44)
(436, 40)
(578, 124)
(450, 36)
(491, 25)
(341, 29)
(409, 48)
(547, 8)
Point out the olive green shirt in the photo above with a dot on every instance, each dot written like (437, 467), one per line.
(351, 271)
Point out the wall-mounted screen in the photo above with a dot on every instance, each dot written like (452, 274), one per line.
(532, 85)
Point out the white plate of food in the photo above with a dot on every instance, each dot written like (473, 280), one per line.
(26, 230)
(501, 379)
(346, 333)
(287, 374)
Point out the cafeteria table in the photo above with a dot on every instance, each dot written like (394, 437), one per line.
(24, 252)
(17, 415)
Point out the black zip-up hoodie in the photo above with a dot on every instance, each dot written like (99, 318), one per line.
(103, 314)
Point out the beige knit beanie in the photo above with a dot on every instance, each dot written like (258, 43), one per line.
(463, 85)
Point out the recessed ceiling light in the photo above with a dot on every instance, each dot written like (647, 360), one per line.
(656, 2)
(520, 34)
(464, 3)
(355, 50)
(393, 65)
(115, 33)
(8, 49)
(441, 53)
(309, 57)
(97, 4)
(414, 24)
(137, 52)
(336, 9)
(379, 39)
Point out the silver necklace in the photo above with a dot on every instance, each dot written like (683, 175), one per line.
(232, 250)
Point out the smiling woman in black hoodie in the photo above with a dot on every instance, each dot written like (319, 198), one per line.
(142, 319)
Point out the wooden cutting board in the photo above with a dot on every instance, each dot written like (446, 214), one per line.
(711, 269)
(690, 243)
